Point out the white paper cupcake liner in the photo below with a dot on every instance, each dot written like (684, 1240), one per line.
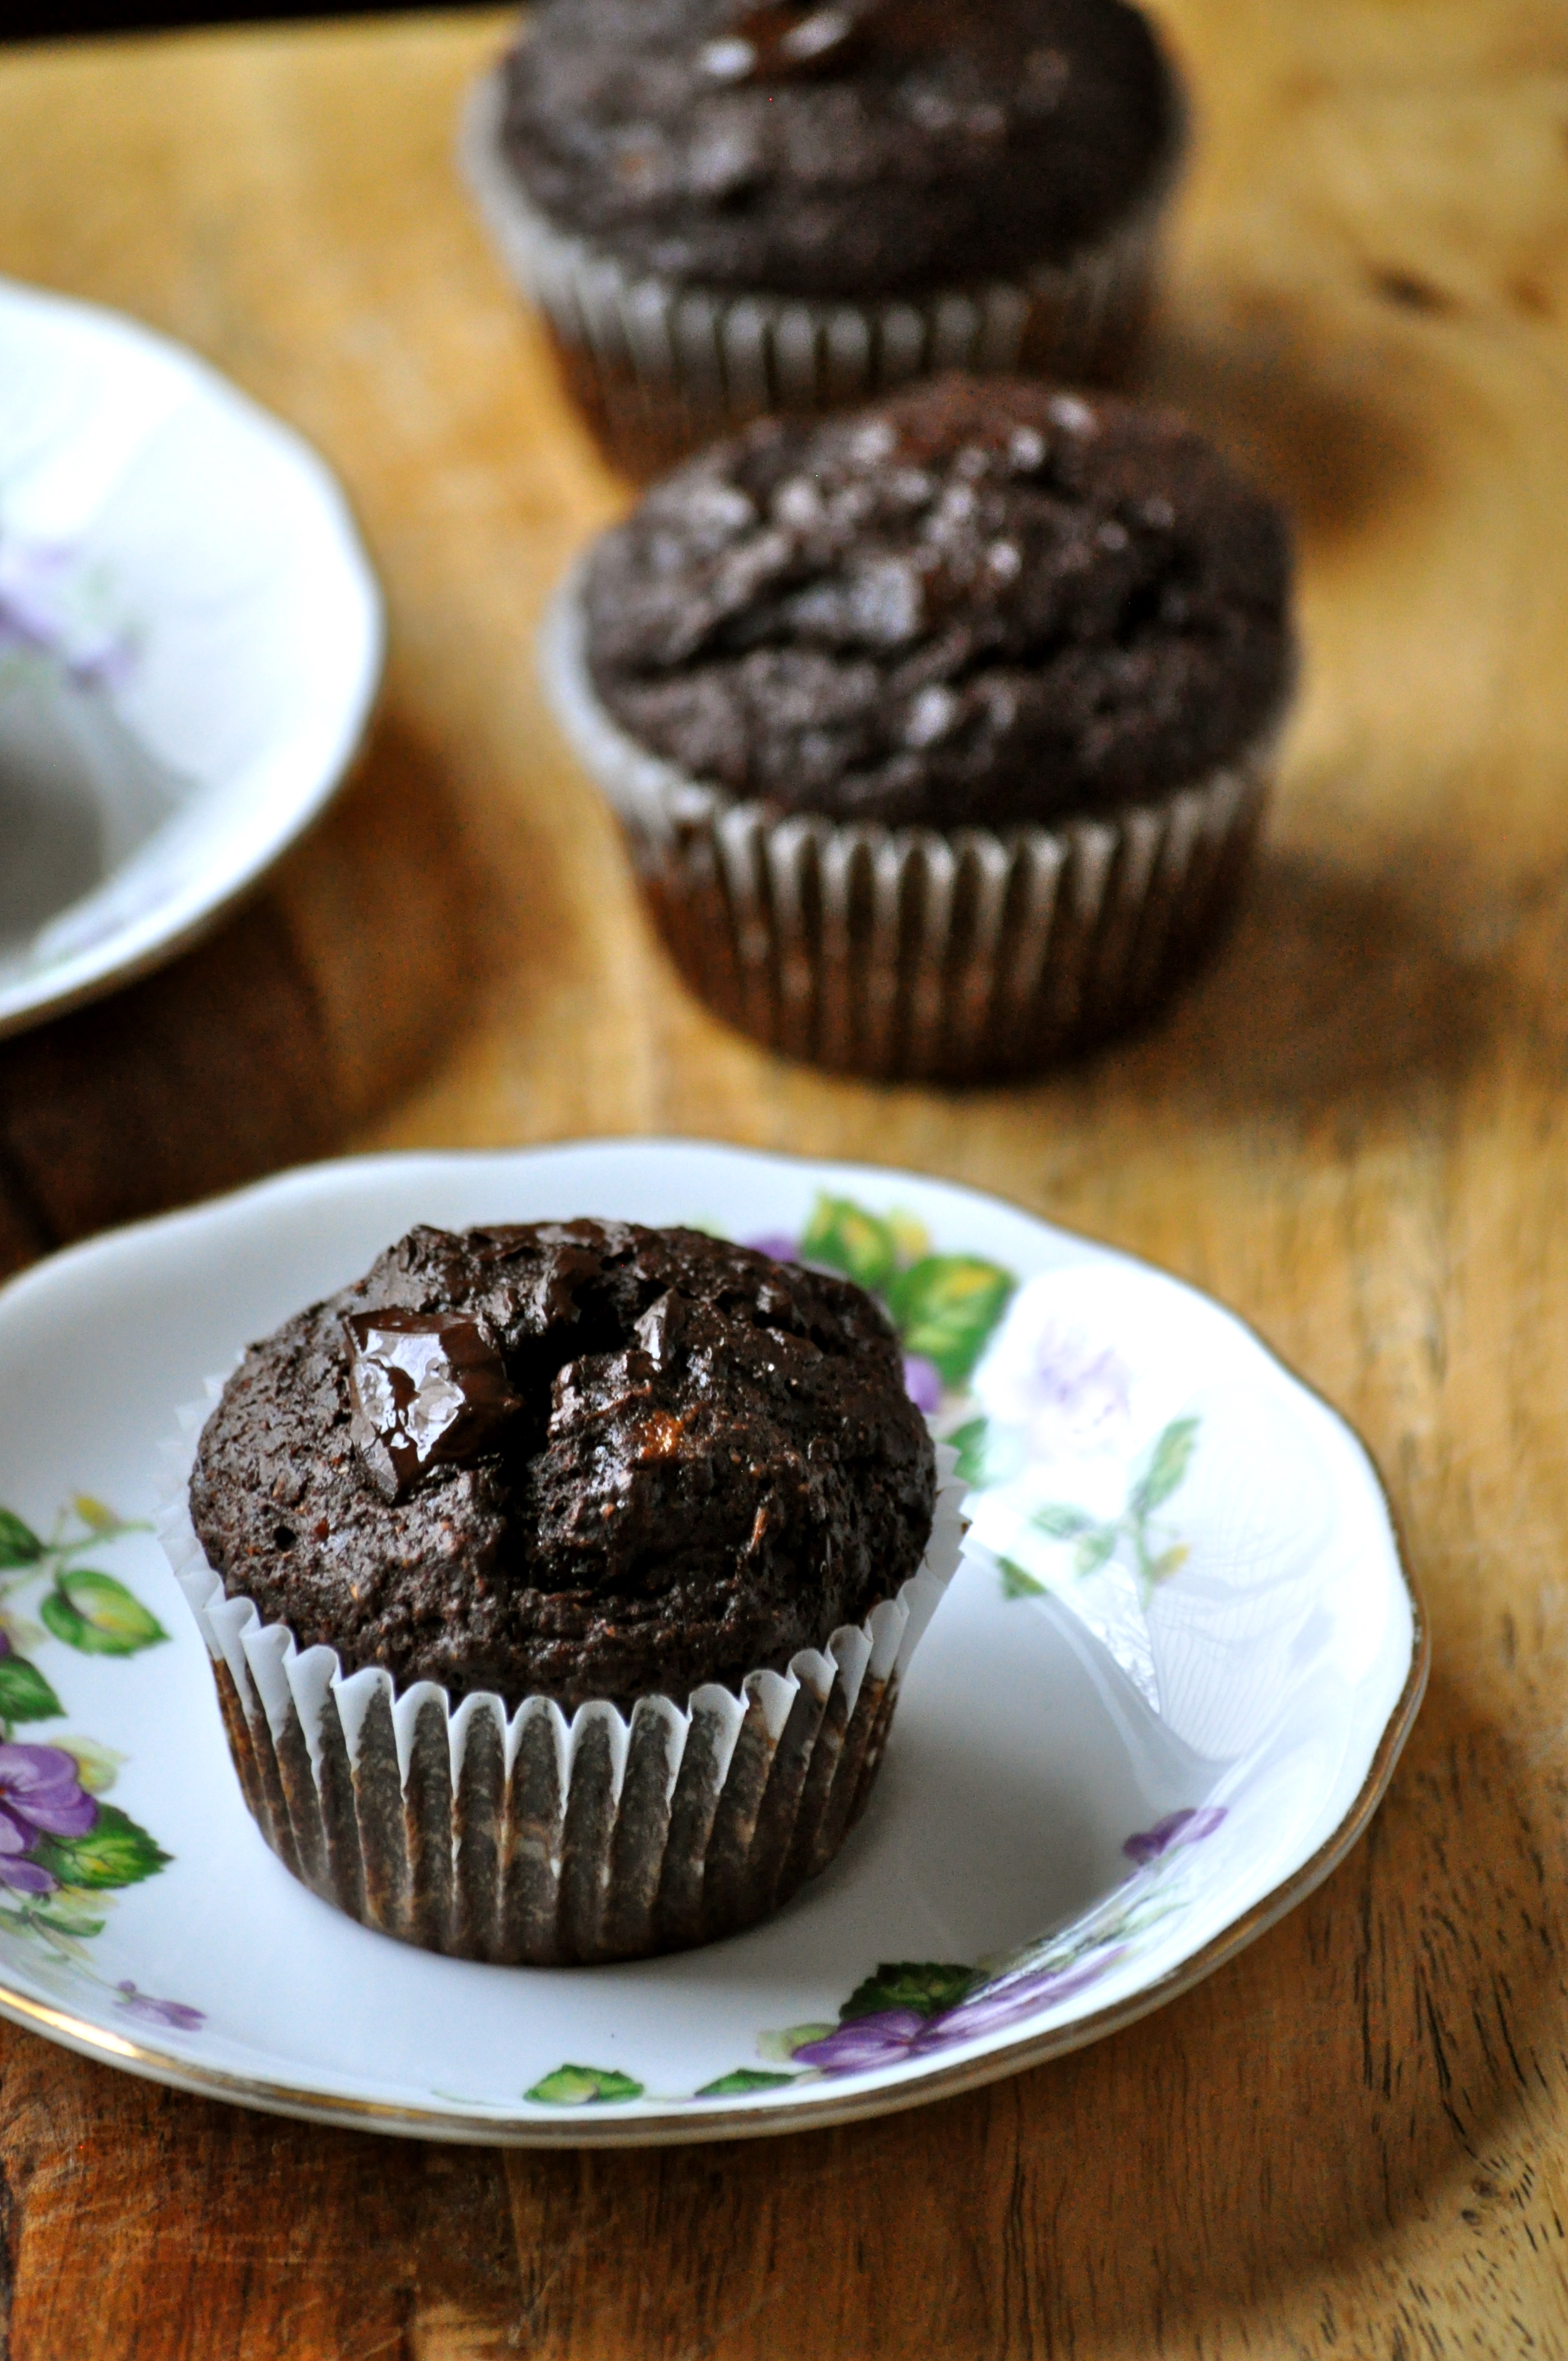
(536, 1838)
(662, 368)
(914, 953)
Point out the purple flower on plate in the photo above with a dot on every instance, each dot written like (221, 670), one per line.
(1071, 1394)
(40, 1796)
(923, 1382)
(994, 2009)
(884, 2038)
(891, 2036)
(1189, 1826)
(40, 616)
(776, 1246)
(174, 2013)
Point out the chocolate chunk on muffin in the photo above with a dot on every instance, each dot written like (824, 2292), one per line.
(849, 148)
(725, 210)
(575, 1460)
(982, 603)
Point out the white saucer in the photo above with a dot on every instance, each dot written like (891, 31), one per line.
(1160, 1701)
(189, 643)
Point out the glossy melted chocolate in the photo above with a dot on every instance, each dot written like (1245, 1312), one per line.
(778, 42)
(428, 1390)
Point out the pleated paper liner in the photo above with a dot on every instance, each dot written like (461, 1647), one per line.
(539, 1839)
(915, 954)
(660, 369)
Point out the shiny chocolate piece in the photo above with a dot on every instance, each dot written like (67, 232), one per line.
(778, 42)
(428, 1389)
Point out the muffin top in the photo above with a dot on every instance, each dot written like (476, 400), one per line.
(845, 148)
(575, 1459)
(982, 602)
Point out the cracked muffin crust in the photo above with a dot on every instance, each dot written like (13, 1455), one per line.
(845, 148)
(983, 602)
(579, 1459)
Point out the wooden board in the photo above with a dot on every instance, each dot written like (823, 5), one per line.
(1354, 2141)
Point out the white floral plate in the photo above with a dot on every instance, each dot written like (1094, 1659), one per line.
(190, 641)
(1161, 1700)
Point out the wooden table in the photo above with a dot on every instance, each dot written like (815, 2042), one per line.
(1354, 2140)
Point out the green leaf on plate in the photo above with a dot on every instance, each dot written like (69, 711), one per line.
(925, 1985)
(793, 2036)
(1060, 1524)
(94, 1613)
(1169, 1562)
(846, 1238)
(911, 1236)
(95, 1515)
(115, 1852)
(19, 1546)
(1095, 1550)
(24, 1694)
(70, 1914)
(946, 1307)
(1016, 1584)
(584, 2086)
(968, 1441)
(1169, 1461)
(97, 1767)
(745, 2078)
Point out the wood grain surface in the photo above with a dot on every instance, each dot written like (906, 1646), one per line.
(1354, 2140)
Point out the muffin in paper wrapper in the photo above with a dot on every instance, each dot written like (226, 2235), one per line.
(536, 1838)
(662, 369)
(914, 954)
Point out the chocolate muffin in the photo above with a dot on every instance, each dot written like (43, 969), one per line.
(664, 1485)
(573, 1460)
(988, 670)
(725, 208)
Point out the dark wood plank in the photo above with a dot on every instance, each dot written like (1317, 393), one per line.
(191, 1082)
(22, 1235)
(264, 1045)
(141, 2225)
